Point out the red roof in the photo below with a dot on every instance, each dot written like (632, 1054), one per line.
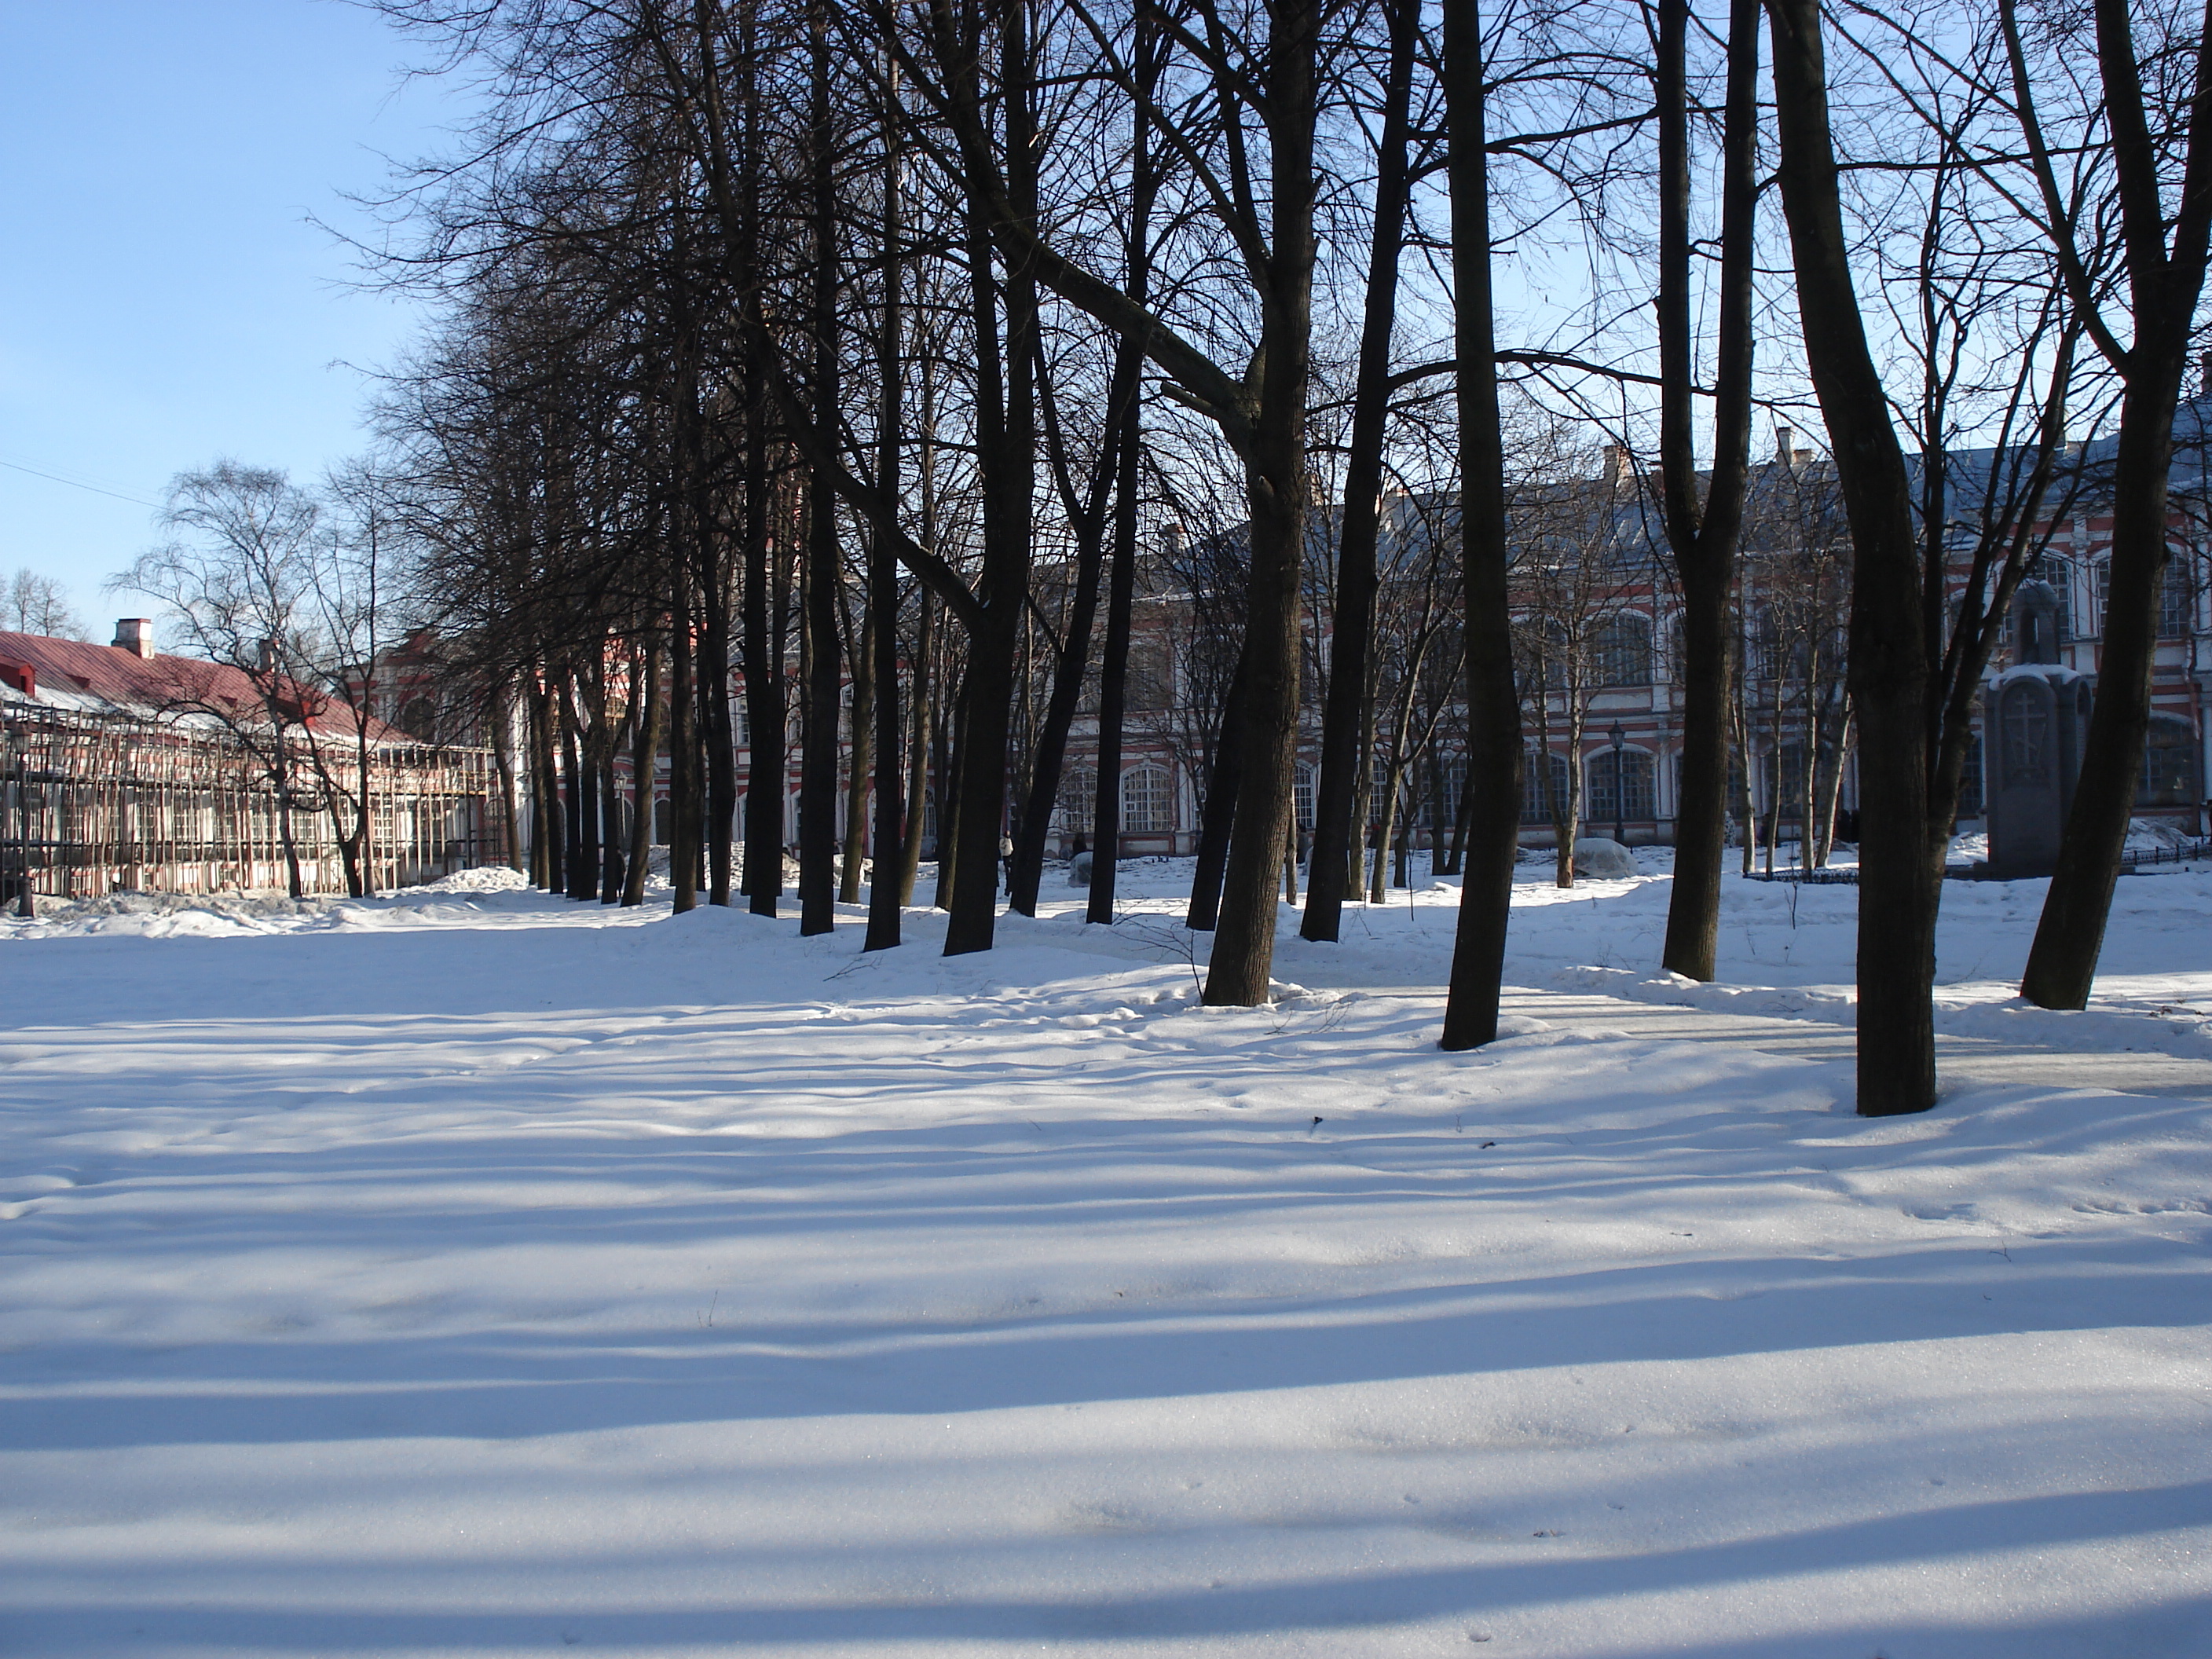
(117, 675)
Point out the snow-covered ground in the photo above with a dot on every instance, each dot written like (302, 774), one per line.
(473, 1273)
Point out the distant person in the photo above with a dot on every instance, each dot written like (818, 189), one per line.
(1078, 864)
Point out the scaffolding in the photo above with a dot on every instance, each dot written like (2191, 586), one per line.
(101, 803)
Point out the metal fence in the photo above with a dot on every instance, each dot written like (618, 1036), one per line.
(92, 804)
(2186, 853)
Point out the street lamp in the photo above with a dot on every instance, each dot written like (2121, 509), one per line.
(1619, 786)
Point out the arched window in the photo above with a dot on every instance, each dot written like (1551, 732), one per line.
(1147, 802)
(1078, 800)
(1626, 798)
(419, 718)
(1543, 786)
(1302, 796)
(1620, 650)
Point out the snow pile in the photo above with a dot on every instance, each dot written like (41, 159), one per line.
(470, 1271)
(2157, 834)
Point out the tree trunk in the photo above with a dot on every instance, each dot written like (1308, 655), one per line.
(1394, 783)
(817, 771)
(1351, 636)
(502, 754)
(926, 766)
(891, 881)
(766, 716)
(818, 763)
(1071, 667)
(1113, 665)
(612, 869)
(917, 760)
(1462, 816)
(861, 760)
(1832, 789)
(717, 738)
(1238, 972)
(1215, 814)
(2164, 290)
(1899, 885)
(1739, 801)
(550, 853)
(645, 768)
(684, 814)
(583, 811)
(1493, 707)
(951, 734)
(1704, 543)
(1007, 401)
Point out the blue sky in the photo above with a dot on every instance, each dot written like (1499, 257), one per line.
(164, 298)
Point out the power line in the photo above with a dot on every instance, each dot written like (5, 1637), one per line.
(55, 478)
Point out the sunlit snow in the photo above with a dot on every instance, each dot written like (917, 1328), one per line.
(472, 1272)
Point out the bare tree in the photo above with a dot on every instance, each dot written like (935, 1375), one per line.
(33, 604)
(236, 579)
(2152, 100)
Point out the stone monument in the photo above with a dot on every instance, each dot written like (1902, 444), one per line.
(2035, 715)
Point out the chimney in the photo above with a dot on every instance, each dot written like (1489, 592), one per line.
(264, 656)
(135, 635)
(1784, 441)
(1615, 466)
